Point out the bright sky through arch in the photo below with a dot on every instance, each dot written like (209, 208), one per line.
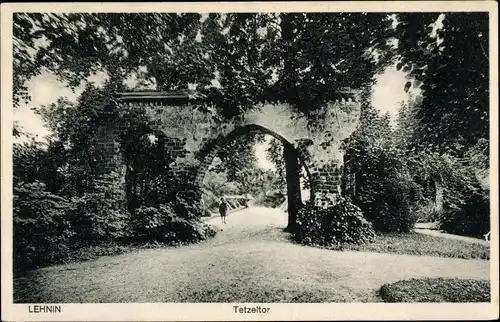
(261, 154)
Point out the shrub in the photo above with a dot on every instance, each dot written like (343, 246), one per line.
(387, 202)
(386, 194)
(99, 215)
(426, 211)
(379, 182)
(185, 204)
(271, 201)
(466, 205)
(394, 210)
(333, 225)
(472, 218)
(376, 174)
(41, 229)
(50, 229)
(165, 225)
(172, 222)
(97, 220)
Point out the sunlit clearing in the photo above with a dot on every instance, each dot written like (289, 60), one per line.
(261, 154)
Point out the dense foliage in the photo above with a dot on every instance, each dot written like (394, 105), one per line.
(376, 178)
(164, 224)
(454, 112)
(237, 155)
(454, 182)
(333, 225)
(236, 171)
(466, 204)
(99, 214)
(470, 218)
(396, 184)
(63, 198)
(444, 133)
(40, 222)
(43, 219)
(234, 60)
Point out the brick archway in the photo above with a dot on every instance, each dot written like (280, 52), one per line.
(192, 135)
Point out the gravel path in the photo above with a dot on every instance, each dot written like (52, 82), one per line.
(250, 260)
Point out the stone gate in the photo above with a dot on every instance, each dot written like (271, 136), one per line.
(194, 136)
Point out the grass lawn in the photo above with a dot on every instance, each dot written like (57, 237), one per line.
(437, 290)
(420, 244)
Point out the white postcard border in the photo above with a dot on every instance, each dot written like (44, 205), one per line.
(224, 311)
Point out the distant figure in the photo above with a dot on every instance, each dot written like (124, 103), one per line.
(223, 210)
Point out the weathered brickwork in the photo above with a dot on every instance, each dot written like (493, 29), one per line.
(193, 136)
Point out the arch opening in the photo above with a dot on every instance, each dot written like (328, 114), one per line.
(147, 156)
(209, 151)
(294, 160)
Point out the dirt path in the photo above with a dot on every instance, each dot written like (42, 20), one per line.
(250, 260)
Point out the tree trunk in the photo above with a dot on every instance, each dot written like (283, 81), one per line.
(439, 195)
(292, 167)
(131, 193)
(289, 55)
(354, 184)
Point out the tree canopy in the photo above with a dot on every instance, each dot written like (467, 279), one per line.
(451, 66)
(234, 60)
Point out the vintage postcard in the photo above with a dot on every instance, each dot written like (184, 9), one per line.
(216, 161)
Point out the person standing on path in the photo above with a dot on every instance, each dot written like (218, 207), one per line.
(223, 210)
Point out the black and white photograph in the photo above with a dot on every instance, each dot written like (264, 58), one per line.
(248, 158)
